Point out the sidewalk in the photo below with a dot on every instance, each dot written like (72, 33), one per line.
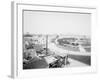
(75, 63)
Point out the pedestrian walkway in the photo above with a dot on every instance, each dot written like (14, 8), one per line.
(75, 63)
(64, 52)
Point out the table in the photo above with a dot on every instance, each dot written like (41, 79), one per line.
(50, 59)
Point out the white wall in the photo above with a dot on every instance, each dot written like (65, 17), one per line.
(5, 45)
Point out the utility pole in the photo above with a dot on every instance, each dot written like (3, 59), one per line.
(46, 44)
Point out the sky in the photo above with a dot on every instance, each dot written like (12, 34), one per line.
(42, 22)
